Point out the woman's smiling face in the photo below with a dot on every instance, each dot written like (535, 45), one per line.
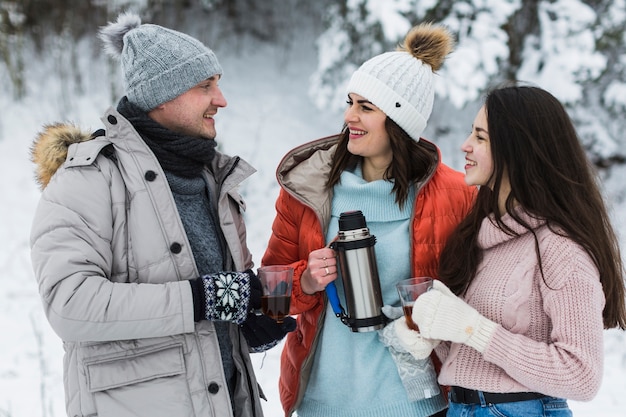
(477, 148)
(368, 137)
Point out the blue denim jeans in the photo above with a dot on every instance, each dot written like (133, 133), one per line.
(543, 407)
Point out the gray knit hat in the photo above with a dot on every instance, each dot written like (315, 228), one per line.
(158, 64)
(401, 83)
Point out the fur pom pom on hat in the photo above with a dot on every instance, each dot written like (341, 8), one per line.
(401, 83)
(158, 64)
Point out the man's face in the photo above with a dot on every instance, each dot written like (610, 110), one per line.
(192, 112)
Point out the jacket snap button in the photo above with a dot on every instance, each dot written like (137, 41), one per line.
(176, 247)
(150, 175)
(213, 388)
(112, 119)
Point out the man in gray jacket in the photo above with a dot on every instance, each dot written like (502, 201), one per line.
(139, 245)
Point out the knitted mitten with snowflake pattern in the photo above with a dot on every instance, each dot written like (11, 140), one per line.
(225, 296)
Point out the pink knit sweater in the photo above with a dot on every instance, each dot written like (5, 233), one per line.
(551, 334)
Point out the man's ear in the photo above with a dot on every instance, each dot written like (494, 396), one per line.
(154, 113)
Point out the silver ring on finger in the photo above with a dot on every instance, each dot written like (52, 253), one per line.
(327, 271)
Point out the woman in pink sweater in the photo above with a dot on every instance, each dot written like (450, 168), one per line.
(532, 276)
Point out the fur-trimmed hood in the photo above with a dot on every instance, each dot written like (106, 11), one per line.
(49, 149)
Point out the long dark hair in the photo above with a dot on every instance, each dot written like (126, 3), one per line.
(411, 161)
(534, 143)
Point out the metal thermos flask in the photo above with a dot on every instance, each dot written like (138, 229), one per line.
(359, 274)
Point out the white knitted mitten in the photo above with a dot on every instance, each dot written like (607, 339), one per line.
(412, 341)
(440, 314)
(418, 375)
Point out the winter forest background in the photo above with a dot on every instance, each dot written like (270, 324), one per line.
(286, 63)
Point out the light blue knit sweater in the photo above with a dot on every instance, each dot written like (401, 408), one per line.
(354, 374)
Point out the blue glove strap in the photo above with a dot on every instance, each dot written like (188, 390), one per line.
(333, 298)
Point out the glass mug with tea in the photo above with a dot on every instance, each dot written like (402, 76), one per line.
(409, 290)
(276, 282)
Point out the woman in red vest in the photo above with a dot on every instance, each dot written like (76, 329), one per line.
(381, 166)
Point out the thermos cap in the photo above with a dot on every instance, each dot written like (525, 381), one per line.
(351, 220)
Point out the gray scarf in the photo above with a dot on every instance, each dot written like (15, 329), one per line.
(182, 155)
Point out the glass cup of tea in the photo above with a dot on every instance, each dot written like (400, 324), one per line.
(276, 281)
(409, 290)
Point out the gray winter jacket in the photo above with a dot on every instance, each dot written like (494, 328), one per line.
(112, 261)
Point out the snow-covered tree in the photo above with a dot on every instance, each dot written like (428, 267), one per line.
(576, 49)
(572, 48)
(11, 41)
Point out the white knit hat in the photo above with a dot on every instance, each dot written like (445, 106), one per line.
(401, 83)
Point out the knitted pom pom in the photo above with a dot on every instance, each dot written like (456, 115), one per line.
(428, 43)
(112, 35)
